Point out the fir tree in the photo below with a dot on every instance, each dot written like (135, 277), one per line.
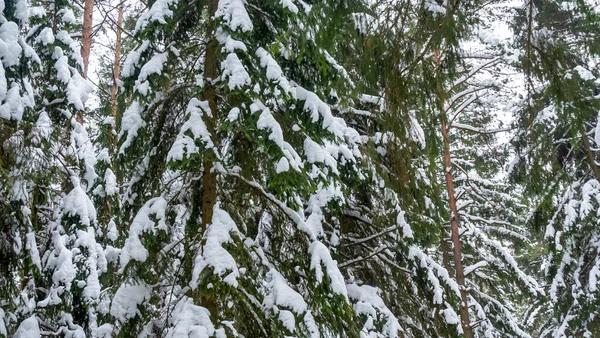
(557, 153)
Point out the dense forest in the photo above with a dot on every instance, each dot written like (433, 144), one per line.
(299, 168)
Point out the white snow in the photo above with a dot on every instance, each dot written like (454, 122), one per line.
(159, 12)
(34, 254)
(3, 330)
(282, 295)
(93, 263)
(78, 90)
(233, 69)
(593, 278)
(153, 66)
(127, 299)
(62, 262)
(368, 302)
(184, 145)
(289, 5)
(68, 16)
(131, 123)
(77, 203)
(316, 153)
(288, 320)
(10, 49)
(45, 37)
(320, 254)
(266, 120)
(274, 72)
(282, 166)
(213, 254)
(233, 115)
(29, 328)
(142, 223)
(110, 182)
(229, 44)
(133, 59)
(190, 320)
(584, 73)
(234, 14)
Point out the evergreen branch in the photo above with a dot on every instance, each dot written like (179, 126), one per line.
(291, 214)
(360, 258)
(371, 237)
(387, 260)
(476, 130)
(462, 107)
(472, 73)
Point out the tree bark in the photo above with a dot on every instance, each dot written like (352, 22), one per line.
(458, 264)
(590, 154)
(209, 178)
(86, 40)
(204, 194)
(116, 65)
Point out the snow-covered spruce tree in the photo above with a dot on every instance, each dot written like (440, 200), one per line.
(438, 73)
(557, 160)
(233, 162)
(484, 211)
(377, 246)
(22, 163)
(60, 298)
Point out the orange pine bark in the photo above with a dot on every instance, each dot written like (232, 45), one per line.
(86, 40)
(454, 222)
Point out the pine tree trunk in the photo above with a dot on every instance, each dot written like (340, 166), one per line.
(86, 40)
(86, 43)
(116, 66)
(458, 265)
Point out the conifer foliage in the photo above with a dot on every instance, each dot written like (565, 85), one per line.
(296, 168)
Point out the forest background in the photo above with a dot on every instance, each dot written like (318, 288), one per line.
(290, 168)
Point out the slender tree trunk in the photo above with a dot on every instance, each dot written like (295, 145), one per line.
(86, 43)
(446, 252)
(209, 178)
(454, 221)
(204, 192)
(115, 87)
(590, 154)
(116, 66)
(86, 40)
(458, 264)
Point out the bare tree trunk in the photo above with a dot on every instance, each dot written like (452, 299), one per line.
(86, 40)
(115, 88)
(86, 43)
(116, 65)
(209, 178)
(458, 264)
(455, 235)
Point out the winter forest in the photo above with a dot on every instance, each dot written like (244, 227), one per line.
(300, 168)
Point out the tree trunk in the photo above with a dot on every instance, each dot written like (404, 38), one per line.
(86, 40)
(458, 265)
(204, 192)
(209, 178)
(116, 66)
(86, 43)
(590, 154)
